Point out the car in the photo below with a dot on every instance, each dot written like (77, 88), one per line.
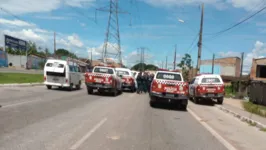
(207, 87)
(128, 81)
(104, 79)
(167, 87)
(62, 74)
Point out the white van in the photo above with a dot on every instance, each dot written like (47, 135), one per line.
(62, 73)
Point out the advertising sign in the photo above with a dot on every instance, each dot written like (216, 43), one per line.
(15, 43)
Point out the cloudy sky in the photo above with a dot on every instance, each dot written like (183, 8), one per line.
(156, 25)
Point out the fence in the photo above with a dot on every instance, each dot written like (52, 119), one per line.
(3, 59)
(257, 92)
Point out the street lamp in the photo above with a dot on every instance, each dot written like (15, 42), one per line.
(180, 20)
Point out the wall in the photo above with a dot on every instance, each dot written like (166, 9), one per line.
(229, 66)
(3, 59)
(253, 71)
(17, 60)
(34, 62)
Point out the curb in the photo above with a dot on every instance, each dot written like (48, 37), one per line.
(242, 118)
(21, 85)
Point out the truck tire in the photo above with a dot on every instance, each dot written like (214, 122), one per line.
(183, 107)
(152, 103)
(196, 100)
(114, 93)
(220, 100)
(70, 88)
(89, 90)
(49, 87)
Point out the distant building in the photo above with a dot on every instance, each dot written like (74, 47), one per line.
(229, 66)
(258, 69)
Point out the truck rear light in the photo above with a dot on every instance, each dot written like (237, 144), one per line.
(66, 80)
(44, 78)
(159, 86)
(153, 85)
(90, 77)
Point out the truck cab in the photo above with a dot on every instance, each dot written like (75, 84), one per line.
(169, 86)
(104, 79)
(207, 87)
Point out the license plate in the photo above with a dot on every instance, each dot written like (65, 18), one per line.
(98, 85)
(210, 95)
(55, 79)
(170, 95)
(98, 80)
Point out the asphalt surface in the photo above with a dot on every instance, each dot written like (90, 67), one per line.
(34, 118)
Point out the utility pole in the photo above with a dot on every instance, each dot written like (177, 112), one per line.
(241, 70)
(213, 56)
(175, 58)
(54, 43)
(166, 63)
(112, 32)
(200, 38)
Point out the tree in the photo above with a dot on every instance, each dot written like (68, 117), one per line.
(185, 65)
(146, 67)
(151, 67)
(64, 52)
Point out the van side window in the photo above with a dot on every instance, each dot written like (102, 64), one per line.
(60, 66)
(71, 68)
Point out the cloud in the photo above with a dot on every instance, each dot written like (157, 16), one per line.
(26, 34)
(82, 24)
(246, 4)
(52, 17)
(31, 6)
(79, 3)
(74, 40)
(229, 54)
(16, 22)
(259, 51)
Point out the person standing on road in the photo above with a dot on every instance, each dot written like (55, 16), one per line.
(149, 82)
(139, 82)
(145, 82)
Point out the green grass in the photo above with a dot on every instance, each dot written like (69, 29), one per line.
(20, 78)
(256, 109)
(228, 91)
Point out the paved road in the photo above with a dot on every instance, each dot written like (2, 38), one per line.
(34, 118)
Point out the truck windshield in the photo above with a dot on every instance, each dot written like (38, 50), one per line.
(210, 80)
(119, 72)
(168, 76)
(104, 70)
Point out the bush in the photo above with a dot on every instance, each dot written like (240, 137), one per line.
(256, 109)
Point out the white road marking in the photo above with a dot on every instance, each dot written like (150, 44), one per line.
(86, 136)
(21, 103)
(212, 131)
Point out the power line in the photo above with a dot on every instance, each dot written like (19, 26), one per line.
(239, 23)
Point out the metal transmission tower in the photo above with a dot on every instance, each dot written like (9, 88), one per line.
(112, 47)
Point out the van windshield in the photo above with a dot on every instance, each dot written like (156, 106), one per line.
(210, 80)
(55, 65)
(168, 76)
(104, 70)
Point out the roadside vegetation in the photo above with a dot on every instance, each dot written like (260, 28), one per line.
(254, 108)
(6, 78)
(229, 92)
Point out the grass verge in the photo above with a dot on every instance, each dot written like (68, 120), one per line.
(6, 78)
(256, 109)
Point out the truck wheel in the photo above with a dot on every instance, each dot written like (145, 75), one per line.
(78, 87)
(70, 88)
(49, 87)
(184, 107)
(89, 90)
(220, 100)
(152, 103)
(115, 92)
(196, 100)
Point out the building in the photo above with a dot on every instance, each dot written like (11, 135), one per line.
(258, 69)
(229, 66)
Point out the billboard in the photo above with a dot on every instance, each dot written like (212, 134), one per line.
(16, 43)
